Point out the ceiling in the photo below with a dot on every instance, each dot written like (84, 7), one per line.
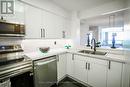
(103, 20)
(78, 5)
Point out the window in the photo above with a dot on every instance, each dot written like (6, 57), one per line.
(106, 36)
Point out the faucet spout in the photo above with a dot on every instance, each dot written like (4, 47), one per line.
(93, 44)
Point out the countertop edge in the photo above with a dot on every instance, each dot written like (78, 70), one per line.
(88, 55)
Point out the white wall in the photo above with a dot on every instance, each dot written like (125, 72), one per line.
(127, 46)
(127, 29)
(84, 29)
(105, 8)
(75, 28)
(49, 6)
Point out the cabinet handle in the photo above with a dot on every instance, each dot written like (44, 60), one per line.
(41, 33)
(109, 65)
(88, 66)
(72, 56)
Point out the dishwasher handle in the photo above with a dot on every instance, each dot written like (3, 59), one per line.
(45, 62)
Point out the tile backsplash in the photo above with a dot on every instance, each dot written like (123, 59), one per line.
(30, 45)
(33, 45)
(10, 41)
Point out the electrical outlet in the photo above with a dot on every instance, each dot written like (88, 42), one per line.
(55, 42)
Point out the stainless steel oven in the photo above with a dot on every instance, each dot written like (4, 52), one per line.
(45, 72)
(12, 29)
(13, 61)
(15, 67)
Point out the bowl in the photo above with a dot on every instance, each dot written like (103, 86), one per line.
(44, 49)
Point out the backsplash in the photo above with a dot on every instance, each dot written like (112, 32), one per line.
(30, 45)
(33, 45)
(10, 41)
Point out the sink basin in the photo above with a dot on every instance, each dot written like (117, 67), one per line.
(99, 53)
(86, 51)
(92, 52)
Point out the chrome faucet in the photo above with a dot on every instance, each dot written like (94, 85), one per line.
(93, 44)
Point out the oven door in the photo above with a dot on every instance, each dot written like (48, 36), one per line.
(45, 72)
(10, 29)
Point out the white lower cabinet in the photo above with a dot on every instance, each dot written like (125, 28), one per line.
(114, 78)
(61, 66)
(97, 72)
(70, 64)
(80, 70)
(90, 71)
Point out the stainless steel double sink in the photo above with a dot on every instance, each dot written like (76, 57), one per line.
(92, 52)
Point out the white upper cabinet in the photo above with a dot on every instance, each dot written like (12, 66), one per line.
(52, 25)
(114, 78)
(45, 24)
(32, 22)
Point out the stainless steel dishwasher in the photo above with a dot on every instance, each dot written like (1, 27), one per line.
(45, 72)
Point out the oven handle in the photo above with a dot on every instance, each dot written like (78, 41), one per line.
(45, 62)
(14, 69)
(15, 73)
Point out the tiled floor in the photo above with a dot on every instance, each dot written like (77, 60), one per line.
(69, 83)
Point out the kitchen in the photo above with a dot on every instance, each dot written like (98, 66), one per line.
(68, 43)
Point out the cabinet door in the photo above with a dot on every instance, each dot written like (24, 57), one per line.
(33, 22)
(61, 66)
(80, 71)
(70, 64)
(114, 74)
(52, 25)
(97, 72)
